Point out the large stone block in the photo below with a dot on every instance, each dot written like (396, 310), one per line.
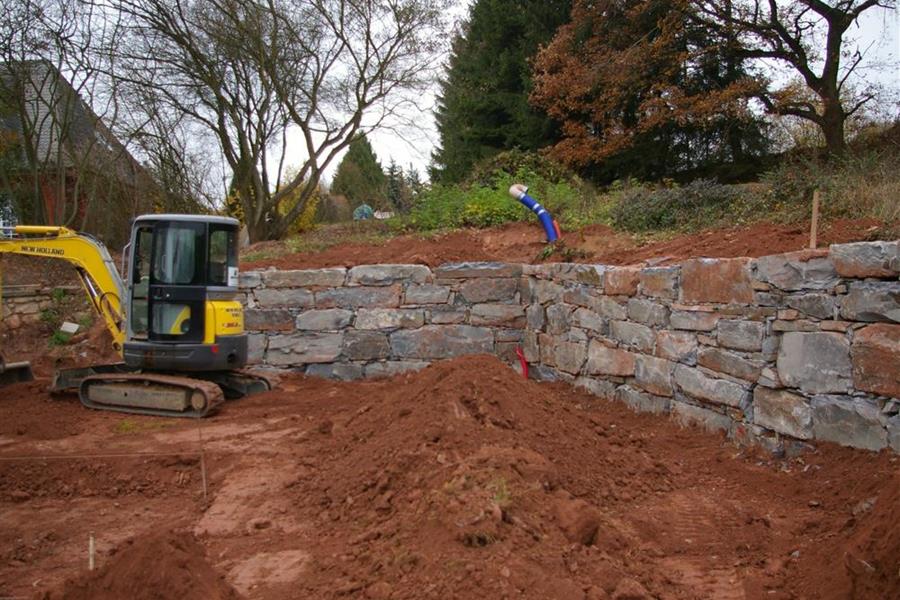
(693, 320)
(872, 301)
(621, 281)
(582, 295)
(570, 357)
(721, 361)
(324, 320)
(337, 371)
(680, 346)
(277, 298)
(256, 348)
(542, 291)
(535, 318)
(558, 318)
(782, 411)
(654, 375)
(393, 367)
(716, 280)
(505, 315)
(426, 293)
(249, 279)
(531, 347)
(648, 312)
(268, 320)
(804, 270)
(817, 363)
(820, 306)
(467, 270)
(631, 334)
(366, 345)
(388, 274)
(741, 335)
(331, 277)
(303, 348)
(359, 297)
(848, 422)
(485, 289)
(441, 341)
(603, 360)
(441, 315)
(643, 402)
(598, 387)
(389, 318)
(876, 359)
(718, 391)
(588, 319)
(866, 259)
(610, 309)
(710, 420)
(660, 282)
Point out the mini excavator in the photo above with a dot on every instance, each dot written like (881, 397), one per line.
(177, 321)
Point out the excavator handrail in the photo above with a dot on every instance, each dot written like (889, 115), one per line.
(93, 263)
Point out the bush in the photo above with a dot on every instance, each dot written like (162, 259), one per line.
(698, 204)
(485, 202)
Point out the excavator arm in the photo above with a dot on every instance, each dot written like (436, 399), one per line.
(92, 262)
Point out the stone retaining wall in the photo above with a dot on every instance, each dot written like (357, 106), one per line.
(784, 348)
(23, 304)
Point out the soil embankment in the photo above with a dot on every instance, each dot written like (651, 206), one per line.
(460, 481)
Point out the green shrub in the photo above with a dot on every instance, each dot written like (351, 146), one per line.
(698, 204)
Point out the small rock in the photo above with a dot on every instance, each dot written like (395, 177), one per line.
(20, 496)
(629, 589)
(814, 504)
(260, 523)
(379, 590)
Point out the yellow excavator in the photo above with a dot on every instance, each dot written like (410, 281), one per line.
(176, 319)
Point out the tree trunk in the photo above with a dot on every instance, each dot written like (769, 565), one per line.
(833, 119)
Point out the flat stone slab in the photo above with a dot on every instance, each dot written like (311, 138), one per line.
(876, 359)
(716, 280)
(817, 363)
(331, 277)
(441, 341)
(807, 269)
(388, 274)
(467, 270)
(866, 259)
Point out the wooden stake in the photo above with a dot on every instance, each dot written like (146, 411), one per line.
(91, 552)
(203, 473)
(814, 227)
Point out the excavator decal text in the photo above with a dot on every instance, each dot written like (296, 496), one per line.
(39, 250)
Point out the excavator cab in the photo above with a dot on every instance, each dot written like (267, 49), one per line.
(182, 307)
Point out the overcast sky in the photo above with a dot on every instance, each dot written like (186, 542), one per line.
(878, 31)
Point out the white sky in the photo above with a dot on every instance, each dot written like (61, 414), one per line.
(878, 32)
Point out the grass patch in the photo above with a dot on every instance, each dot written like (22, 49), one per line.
(132, 426)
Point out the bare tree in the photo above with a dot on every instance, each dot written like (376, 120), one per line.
(809, 37)
(258, 73)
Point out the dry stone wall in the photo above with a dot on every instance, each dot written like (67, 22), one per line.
(782, 349)
(23, 304)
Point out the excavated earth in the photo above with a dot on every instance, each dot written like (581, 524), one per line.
(463, 480)
(524, 243)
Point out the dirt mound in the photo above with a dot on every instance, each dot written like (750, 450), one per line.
(169, 564)
(524, 243)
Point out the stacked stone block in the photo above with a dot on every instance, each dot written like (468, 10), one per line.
(796, 347)
(23, 304)
(377, 320)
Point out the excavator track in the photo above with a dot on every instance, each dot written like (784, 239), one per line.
(151, 394)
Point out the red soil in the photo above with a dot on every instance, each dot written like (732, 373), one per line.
(460, 481)
(523, 242)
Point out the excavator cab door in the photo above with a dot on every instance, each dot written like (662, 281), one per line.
(176, 291)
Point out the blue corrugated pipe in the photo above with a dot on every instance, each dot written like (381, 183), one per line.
(520, 193)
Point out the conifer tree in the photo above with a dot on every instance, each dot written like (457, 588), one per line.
(483, 104)
(359, 176)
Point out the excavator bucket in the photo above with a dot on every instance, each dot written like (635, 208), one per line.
(14, 372)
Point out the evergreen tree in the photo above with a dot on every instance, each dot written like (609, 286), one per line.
(359, 177)
(483, 104)
(396, 187)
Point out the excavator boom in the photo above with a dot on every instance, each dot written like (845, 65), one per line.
(92, 262)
